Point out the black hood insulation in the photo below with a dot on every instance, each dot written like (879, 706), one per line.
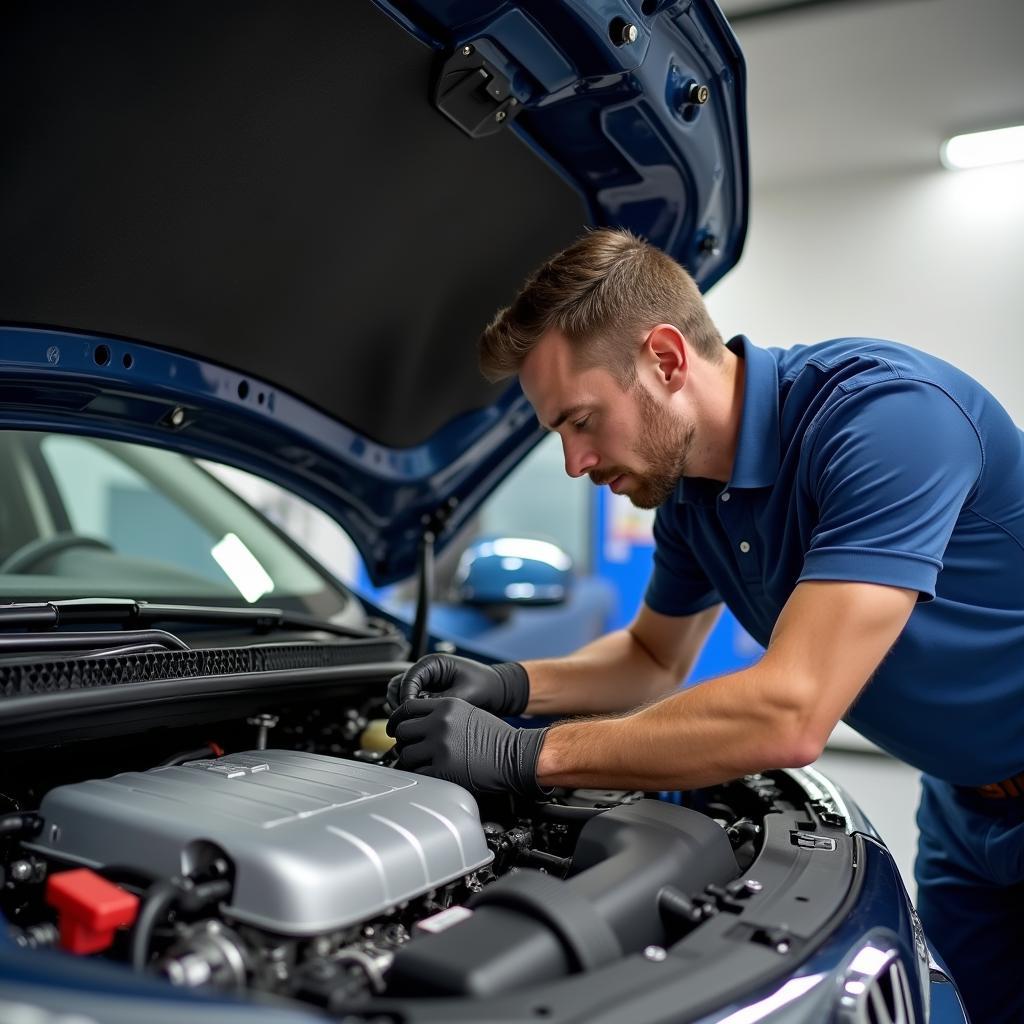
(270, 187)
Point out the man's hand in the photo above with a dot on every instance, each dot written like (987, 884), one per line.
(449, 739)
(502, 689)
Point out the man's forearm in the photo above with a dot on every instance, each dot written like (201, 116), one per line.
(716, 731)
(612, 674)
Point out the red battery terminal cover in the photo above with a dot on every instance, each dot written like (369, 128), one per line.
(90, 909)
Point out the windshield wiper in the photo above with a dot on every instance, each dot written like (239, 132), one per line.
(126, 611)
(88, 645)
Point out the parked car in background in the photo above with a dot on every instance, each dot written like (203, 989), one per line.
(264, 238)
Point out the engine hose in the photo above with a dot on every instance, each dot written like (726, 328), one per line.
(568, 813)
(159, 898)
(22, 821)
(194, 899)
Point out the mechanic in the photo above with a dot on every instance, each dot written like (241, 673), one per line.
(859, 507)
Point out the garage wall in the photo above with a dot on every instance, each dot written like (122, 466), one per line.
(933, 260)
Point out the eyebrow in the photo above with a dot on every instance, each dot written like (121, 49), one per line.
(564, 415)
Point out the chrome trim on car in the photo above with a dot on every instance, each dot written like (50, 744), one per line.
(876, 989)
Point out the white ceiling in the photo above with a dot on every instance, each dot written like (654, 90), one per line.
(861, 86)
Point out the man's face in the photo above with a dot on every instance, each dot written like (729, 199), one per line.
(625, 438)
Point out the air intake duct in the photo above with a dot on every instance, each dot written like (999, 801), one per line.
(529, 927)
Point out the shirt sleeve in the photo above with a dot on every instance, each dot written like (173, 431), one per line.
(678, 585)
(890, 471)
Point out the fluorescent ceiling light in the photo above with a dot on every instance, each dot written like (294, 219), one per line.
(980, 149)
(242, 568)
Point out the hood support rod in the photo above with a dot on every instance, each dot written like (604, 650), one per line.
(432, 527)
(424, 588)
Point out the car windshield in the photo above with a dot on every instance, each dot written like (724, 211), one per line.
(85, 517)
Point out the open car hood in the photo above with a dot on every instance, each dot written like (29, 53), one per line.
(270, 234)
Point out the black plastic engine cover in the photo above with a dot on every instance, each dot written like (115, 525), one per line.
(626, 855)
(530, 927)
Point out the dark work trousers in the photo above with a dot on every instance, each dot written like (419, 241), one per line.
(970, 877)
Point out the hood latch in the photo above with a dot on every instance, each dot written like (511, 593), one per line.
(473, 93)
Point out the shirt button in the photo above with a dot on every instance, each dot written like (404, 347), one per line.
(744, 546)
(725, 495)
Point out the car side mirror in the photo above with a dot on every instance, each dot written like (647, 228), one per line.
(513, 571)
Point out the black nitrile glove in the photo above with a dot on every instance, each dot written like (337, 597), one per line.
(449, 739)
(502, 689)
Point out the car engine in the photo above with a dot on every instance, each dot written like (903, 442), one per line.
(315, 847)
(318, 872)
(316, 843)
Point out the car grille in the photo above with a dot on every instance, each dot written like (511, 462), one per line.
(876, 989)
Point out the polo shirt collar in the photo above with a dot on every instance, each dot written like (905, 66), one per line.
(758, 451)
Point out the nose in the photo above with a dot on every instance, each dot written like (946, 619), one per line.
(579, 457)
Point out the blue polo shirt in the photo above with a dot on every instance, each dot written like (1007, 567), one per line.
(861, 459)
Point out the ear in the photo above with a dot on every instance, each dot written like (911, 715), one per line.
(666, 350)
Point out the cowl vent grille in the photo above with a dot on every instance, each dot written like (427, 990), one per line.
(26, 678)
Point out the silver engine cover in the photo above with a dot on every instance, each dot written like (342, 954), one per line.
(317, 843)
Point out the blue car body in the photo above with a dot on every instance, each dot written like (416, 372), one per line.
(196, 200)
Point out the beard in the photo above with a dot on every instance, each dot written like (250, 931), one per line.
(664, 446)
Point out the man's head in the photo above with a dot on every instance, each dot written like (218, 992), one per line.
(603, 337)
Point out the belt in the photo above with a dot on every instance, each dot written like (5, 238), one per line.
(1008, 789)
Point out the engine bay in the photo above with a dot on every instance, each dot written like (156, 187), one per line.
(282, 855)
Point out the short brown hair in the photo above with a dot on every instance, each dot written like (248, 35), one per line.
(605, 287)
